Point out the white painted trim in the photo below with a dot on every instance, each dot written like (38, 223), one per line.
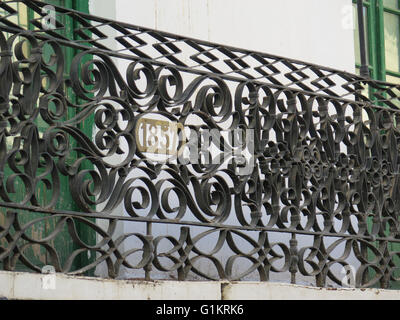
(283, 291)
(27, 286)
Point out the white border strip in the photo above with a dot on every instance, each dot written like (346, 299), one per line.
(28, 286)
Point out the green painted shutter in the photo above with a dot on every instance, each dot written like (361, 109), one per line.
(382, 19)
(37, 254)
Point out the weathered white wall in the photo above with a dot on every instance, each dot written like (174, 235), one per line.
(13, 285)
(316, 31)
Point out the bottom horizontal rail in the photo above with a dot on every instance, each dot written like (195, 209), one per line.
(109, 216)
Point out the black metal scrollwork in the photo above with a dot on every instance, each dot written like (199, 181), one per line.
(320, 192)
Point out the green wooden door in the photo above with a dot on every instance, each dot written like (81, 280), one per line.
(382, 21)
(35, 256)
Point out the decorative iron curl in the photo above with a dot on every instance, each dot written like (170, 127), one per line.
(324, 174)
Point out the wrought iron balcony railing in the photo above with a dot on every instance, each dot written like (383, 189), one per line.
(97, 166)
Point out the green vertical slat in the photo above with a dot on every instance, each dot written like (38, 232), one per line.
(84, 232)
(86, 126)
(380, 42)
(36, 255)
(376, 41)
(372, 38)
(64, 244)
(376, 31)
(381, 49)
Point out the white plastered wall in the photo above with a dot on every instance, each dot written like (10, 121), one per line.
(316, 31)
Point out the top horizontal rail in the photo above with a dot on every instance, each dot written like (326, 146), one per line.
(200, 56)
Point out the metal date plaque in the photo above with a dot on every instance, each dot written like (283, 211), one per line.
(160, 137)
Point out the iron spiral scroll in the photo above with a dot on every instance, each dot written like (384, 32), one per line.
(322, 194)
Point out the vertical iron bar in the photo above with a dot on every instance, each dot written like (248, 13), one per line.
(147, 268)
(364, 71)
(293, 258)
